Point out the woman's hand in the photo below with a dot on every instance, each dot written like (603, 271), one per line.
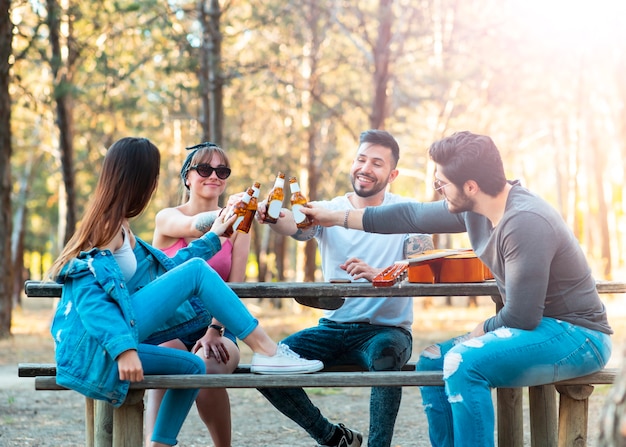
(129, 366)
(234, 198)
(222, 223)
(212, 344)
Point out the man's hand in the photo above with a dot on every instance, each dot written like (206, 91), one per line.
(129, 366)
(478, 330)
(261, 212)
(359, 269)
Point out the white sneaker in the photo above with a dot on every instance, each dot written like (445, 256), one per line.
(285, 361)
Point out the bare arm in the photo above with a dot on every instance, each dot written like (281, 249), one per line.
(241, 249)
(328, 218)
(171, 225)
(286, 224)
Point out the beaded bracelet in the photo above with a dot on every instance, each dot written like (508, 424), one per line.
(345, 219)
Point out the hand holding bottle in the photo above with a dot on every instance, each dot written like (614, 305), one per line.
(223, 223)
(261, 212)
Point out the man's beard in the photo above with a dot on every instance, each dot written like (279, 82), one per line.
(366, 193)
(461, 204)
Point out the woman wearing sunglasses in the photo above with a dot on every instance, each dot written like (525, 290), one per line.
(204, 175)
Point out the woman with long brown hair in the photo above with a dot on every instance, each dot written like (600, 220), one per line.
(122, 297)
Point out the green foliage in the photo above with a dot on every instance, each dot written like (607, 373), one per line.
(298, 82)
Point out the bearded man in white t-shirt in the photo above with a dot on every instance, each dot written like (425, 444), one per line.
(374, 333)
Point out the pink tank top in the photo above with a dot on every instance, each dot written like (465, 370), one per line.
(221, 261)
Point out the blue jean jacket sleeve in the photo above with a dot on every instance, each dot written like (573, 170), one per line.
(204, 247)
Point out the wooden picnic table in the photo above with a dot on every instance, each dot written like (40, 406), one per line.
(544, 423)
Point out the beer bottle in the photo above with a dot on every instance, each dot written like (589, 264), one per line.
(275, 199)
(240, 208)
(248, 217)
(298, 201)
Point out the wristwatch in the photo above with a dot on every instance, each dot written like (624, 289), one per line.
(218, 328)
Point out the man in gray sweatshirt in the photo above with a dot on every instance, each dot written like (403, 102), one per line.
(551, 324)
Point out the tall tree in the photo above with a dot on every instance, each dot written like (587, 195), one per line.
(211, 78)
(6, 273)
(381, 52)
(63, 69)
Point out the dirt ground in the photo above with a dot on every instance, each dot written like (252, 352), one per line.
(55, 418)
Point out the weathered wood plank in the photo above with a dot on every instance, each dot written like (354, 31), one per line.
(573, 414)
(325, 379)
(320, 379)
(543, 419)
(324, 289)
(49, 369)
(510, 417)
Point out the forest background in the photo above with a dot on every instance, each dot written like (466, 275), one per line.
(289, 85)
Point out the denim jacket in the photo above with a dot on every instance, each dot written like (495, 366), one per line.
(94, 321)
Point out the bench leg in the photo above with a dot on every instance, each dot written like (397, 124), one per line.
(89, 434)
(128, 421)
(510, 417)
(543, 421)
(573, 412)
(102, 424)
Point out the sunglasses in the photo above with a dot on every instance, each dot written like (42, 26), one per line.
(438, 185)
(205, 170)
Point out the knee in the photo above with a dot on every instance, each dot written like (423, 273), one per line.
(195, 365)
(212, 366)
(430, 359)
(200, 267)
(388, 359)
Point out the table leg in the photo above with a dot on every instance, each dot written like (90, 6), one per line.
(510, 417)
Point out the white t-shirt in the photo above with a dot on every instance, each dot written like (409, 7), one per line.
(336, 245)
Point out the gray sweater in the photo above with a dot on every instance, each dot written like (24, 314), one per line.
(536, 261)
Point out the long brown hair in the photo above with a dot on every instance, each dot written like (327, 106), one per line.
(129, 177)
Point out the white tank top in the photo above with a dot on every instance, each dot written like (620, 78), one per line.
(125, 257)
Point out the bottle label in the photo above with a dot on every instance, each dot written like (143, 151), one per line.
(298, 215)
(238, 221)
(273, 210)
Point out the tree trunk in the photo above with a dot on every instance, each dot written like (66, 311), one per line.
(19, 225)
(382, 57)
(6, 277)
(598, 162)
(63, 78)
(210, 76)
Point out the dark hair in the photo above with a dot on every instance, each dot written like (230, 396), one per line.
(129, 177)
(383, 138)
(466, 156)
(131, 170)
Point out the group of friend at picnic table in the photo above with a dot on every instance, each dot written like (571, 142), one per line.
(130, 308)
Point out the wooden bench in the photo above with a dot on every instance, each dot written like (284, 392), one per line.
(550, 427)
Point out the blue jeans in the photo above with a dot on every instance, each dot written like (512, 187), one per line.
(154, 304)
(375, 348)
(462, 413)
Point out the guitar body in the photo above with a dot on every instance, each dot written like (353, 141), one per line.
(436, 266)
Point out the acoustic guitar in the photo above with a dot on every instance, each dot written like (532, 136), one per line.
(436, 266)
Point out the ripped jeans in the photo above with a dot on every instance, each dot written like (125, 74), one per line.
(376, 348)
(461, 413)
